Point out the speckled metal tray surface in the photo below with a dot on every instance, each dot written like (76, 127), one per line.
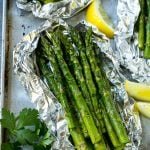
(17, 23)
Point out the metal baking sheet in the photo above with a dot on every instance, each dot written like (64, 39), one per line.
(17, 23)
(2, 61)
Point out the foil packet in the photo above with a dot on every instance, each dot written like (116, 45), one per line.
(60, 9)
(47, 103)
(121, 62)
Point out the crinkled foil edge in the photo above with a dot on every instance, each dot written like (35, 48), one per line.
(47, 11)
(130, 64)
(60, 9)
(127, 44)
(49, 109)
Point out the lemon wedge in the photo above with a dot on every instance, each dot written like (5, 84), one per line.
(143, 108)
(97, 16)
(138, 91)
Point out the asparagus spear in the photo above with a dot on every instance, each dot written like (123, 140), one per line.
(84, 129)
(91, 58)
(77, 71)
(57, 88)
(112, 135)
(147, 47)
(105, 91)
(88, 76)
(141, 32)
(81, 105)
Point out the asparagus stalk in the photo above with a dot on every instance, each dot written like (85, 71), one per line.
(57, 88)
(147, 47)
(87, 74)
(81, 104)
(92, 61)
(88, 77)
(112, 135)
(141, 32)
(105, 91)
(84, 130)
(77, 71)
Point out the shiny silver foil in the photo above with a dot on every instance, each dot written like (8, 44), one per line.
(128, 63)
(127, 44)
(47, 104)
(121, 61)
(49, 108)
(63, 8)
(47, 11)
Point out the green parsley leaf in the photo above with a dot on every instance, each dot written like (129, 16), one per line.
(43, 129)
(26, 136)
(26, 130)
(28, 117)
(11, 146)
(7, 146)
(8, 120)
(46, 139)
(38, 147)
(46, 142)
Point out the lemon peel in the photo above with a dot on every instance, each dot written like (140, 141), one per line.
(143, 108)
(97, 16)
(139, 91)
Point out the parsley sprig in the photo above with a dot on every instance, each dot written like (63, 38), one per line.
(26, 129)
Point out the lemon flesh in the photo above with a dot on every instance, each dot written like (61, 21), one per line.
(143, 108)
(97, 16)
(138, 91)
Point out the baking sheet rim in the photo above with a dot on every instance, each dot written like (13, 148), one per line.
(2, 69)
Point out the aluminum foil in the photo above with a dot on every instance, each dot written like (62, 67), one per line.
(128, 52)
(47, 104)
(61, 9)
(49, 108)
(124, 61)
(127, 63)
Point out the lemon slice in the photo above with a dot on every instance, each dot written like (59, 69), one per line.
(97, 16)
(143, 108)
(138, 91)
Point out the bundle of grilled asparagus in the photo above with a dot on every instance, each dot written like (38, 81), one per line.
(68, 61)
